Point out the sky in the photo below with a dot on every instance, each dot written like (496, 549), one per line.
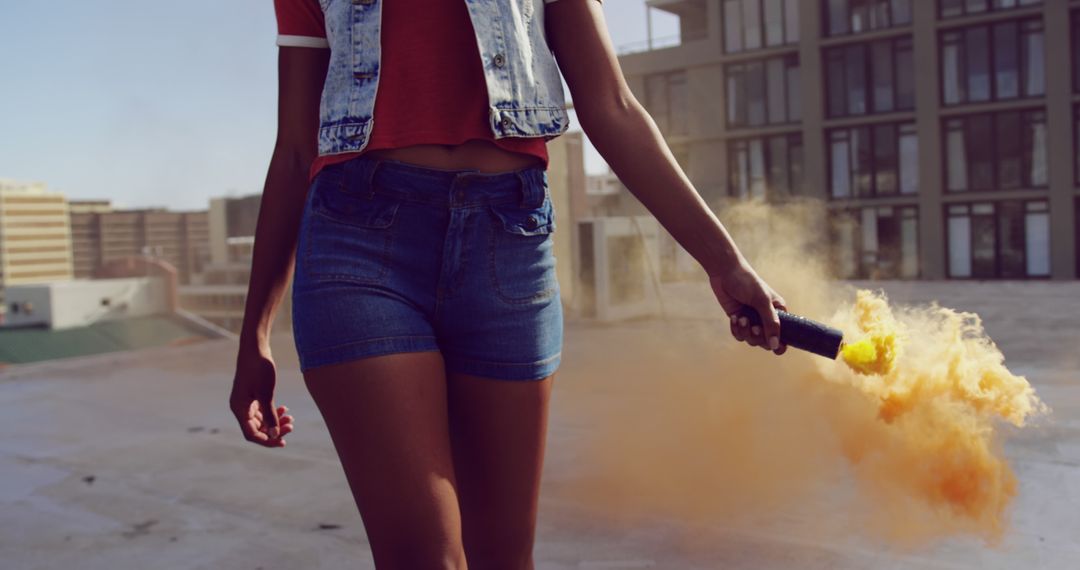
(158, 104)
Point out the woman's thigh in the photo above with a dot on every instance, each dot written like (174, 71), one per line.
(387, 417)
(498, 431)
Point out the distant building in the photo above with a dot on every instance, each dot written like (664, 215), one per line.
(35, 236)
(942, 135)
(101, 234)
(219, 292)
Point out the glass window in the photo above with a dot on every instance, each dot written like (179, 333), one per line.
(751, 13)
(763, 92)
(959, 244)
(1007, 62)
(1033, 58)
(794, 90)
(736, 96)
(1001, 151)
(667, 99)
(1010, 159)
(733, 39)
(791, 20)
(870, 78)
(1008, 239)
(854, 16)
(679, 96)
(1037, 236)
(838, 17)
(1011, 236)
(886, 161)
(874, 161)
(954, 8)
(952, 54)
(882, 65)
(765, 167)
(976, 46)
(774, 22)
(755, 93)
(909, 243)
(777, 78)
(909, 159)
(1001, 61)
(840, 165)
(876, 242)
(1076, 50)
(755, 24)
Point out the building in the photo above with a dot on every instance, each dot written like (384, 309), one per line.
(935, 131)
(219, 292)
(101, 234)
(35, 236)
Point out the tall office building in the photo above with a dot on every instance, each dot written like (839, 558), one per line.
(943, 134)
(35, 235)
(102, 234)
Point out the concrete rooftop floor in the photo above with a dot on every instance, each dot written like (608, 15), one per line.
(132, 460)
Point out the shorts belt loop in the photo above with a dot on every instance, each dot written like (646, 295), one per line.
(372, 166)
(531, 193)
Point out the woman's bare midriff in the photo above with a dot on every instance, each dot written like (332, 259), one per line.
(481, 155)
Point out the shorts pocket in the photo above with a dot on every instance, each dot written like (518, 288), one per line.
(350, 232)
(522, 260)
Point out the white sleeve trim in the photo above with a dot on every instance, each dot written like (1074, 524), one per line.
(302, 41)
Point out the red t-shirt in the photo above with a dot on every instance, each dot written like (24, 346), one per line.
(429, 52)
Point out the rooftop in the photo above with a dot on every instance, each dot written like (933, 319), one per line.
(132, 460)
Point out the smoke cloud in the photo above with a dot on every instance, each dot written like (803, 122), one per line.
(708, 430)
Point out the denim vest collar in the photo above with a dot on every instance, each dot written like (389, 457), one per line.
(525, 92)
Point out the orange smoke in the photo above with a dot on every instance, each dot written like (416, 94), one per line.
(901, 438)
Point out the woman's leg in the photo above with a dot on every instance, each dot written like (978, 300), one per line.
(387, 417)
(497, 430)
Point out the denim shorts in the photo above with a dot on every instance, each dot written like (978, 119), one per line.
(394, 257)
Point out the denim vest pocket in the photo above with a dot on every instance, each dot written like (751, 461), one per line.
(521, 260)
(350, 236)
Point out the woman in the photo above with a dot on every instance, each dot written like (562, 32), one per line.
(425, 306)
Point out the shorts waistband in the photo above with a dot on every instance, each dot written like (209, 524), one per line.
(441, 187)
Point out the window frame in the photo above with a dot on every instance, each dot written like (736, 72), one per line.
(1026, 123)
(790, 61)
(900, 129)
(990, 9)
(795, 187)
(1025, 205)
(896, 47)
(762, 29)
(1024, 28)
(826, 20)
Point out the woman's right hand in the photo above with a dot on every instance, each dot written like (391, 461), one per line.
(251, 400)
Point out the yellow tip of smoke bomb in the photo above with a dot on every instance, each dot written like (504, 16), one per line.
(873, 355)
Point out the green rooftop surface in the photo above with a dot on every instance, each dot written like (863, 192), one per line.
(20, 345)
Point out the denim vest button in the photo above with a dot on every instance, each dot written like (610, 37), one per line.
(505, 122)
(532, 222)
(499, 60)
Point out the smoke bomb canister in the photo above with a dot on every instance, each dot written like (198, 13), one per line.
(803, 333)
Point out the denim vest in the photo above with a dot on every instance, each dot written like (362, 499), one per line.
(525, 92)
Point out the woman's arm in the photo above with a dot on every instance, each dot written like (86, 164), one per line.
(301, 72)
(624, 133)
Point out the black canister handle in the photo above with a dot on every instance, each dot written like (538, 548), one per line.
(802, 333)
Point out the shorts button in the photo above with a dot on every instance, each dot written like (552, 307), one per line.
(460, 196)
(532, 222)
(505, 122)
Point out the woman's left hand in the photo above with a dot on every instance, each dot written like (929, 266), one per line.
(740, 285)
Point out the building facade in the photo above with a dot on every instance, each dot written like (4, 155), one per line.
(101, 234)
(944, 135)
(35, 236)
